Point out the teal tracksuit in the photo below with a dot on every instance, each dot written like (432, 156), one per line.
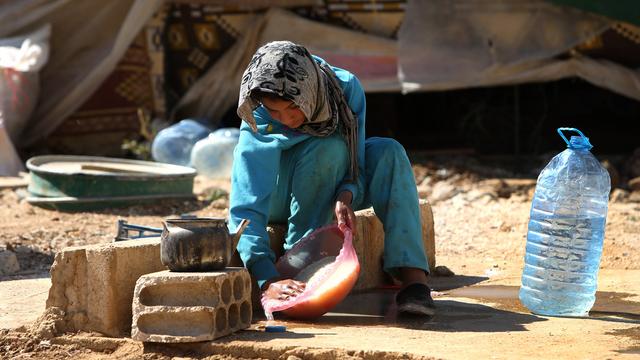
(283, 176)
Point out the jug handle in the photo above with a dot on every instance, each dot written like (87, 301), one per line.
(236, 237)
(561, 129)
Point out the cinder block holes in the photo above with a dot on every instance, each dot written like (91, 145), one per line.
(181, 294)
(192, 323)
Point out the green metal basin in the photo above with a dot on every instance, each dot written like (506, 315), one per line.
(88, 182)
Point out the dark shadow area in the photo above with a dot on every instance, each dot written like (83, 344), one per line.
(509, 120)
(198, 349)
(33, 263)
(612, 306)
(259, 334)
(156, 208)
(378, 309)
(631, 333)
(28, 274)
(443, 283)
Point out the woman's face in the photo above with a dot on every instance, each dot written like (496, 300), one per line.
(285, 112)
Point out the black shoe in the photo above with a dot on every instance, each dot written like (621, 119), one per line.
(415, 299)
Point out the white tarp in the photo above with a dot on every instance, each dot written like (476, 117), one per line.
(88, 38)
(21, 58)
(10, 163)
(371, 58)
(453, 44)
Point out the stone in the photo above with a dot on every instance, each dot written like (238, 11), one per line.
(442, 191)
(8, 263)
(619, 195)
(94, 284)
(633, 164)
(368, 242)
(634, 197)
(634, 184)
(177, 307)
(614, 175)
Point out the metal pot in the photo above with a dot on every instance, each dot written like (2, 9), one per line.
(199, 244)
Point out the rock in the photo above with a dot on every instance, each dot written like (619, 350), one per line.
(634, 197)
(480, 195)
(633, 164)
(634, 184)
(619, 195)
(22, 249)
(443, 191)
(8, 263)
(428, 181)
(48, 325)
(613, 173)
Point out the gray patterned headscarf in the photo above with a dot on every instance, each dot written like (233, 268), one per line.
(287, 70)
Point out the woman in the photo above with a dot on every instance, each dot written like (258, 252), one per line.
(302, 158)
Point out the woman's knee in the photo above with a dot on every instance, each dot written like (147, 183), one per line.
(381, 149)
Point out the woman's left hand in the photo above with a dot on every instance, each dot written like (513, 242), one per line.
(344, 212)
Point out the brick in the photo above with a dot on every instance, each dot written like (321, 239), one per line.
(175, 307)
(369, 245)
(94, 284)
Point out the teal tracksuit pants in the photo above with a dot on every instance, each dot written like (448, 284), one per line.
(310, 173)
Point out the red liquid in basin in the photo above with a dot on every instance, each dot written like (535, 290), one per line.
(333, 290)
(327, 262)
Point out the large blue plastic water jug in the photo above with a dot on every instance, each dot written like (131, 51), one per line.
(566, 232)
(213, 155)
(173, 144)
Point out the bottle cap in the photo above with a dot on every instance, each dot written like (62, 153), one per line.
(275, 328)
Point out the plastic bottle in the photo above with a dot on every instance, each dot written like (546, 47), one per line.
(213, 155)
(566, 232)
(173, 144)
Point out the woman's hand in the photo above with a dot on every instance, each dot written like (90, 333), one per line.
(344, 212)
(284, 289)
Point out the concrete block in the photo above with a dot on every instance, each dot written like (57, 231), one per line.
(94, 284)
(369, 245)
(176, 307)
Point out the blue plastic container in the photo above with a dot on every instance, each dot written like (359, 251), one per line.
(566, 232)
(213, 155)
(173, 145)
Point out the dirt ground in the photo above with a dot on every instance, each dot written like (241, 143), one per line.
(480, 210)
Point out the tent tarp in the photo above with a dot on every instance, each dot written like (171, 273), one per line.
(371, 58)
(454, 44)
(88, 38)
(624, 10)
(443, 44)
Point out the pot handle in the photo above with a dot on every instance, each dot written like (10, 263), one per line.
(236, 237)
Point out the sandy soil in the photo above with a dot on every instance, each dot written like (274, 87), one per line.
(480, 211)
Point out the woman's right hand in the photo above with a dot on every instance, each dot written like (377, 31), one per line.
(284, 289)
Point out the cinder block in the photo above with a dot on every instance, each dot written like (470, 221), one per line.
(368, 242)
(94, 284)
(176, 307)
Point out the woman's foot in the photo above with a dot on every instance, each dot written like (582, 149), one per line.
(415, 299)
